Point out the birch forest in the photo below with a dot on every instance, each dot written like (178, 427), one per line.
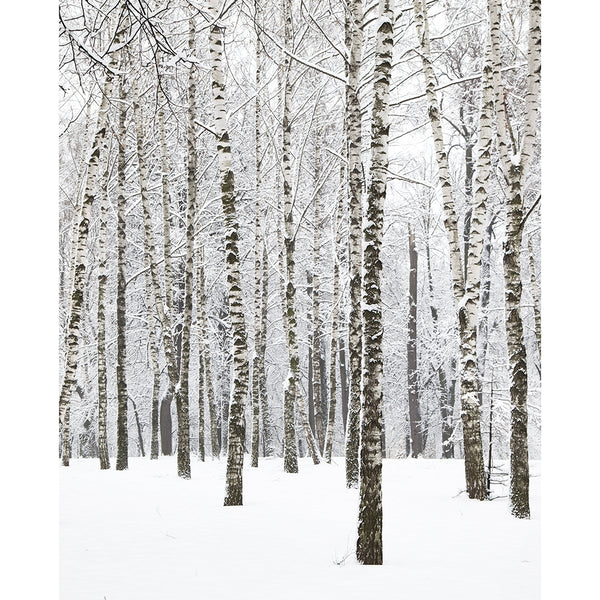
(300, 296)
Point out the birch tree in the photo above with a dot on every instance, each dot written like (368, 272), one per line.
(235, 453)
(515, 162)
(369, 546)
(354, 43)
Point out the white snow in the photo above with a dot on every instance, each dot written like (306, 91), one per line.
(144, 533)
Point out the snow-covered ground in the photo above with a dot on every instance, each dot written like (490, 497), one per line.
(146, 534)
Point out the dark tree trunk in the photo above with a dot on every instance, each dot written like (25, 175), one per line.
(414, 409)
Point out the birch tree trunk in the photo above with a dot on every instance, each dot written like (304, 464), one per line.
(414, 410)
(165, 407)
(515, 168)
(267, 422)
(122, 397)
(182, 394)
(235, 454)
(316, 316)
(474, 468)
(335, 315)
(204, 349)
(354, 44)
(153, 347)
(101, 344)
(291, 391)
(99, 147)
(446, 403)
(369, 546)
(536, 295)
(257, 367)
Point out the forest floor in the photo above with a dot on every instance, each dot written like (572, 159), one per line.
(146, 534)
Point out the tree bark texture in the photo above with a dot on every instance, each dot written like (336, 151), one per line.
(236, 429)
(414, 409)
(474, 468)
(354, 44)
(369, 546)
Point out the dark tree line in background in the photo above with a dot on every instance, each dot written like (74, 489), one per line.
(291, 228)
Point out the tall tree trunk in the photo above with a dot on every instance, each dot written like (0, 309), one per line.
(138, 426)
(316, 290)
(122, 396)
(267, 423)
(335, 315)
(201, 446)
(354, 43)
(536, 296)
(474, 468)
(165, 420)
(414, 410)
(369, 546)
(102, 277)
(515, 169)
(99, 147)
(235, 454)
(292, 390)
(182, 395)
(204, 350)
(446, 402)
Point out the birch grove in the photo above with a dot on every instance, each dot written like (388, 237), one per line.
(305, 232)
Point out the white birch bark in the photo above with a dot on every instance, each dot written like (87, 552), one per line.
(369, 546)
(122, 461)
(101, 339)
(204, 349)
(515, 166)
(335, 315)
(292, 385)
(354, 46)
(80, 259)
(474, 469)
(235, 454)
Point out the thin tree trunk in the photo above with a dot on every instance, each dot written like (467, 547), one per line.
(235, 454)
(102, 277)
(292, 390)
(414, 410)
(138, 427)
(122, 396)
(182, 395)
(267, 422)
(474, 467)
(316, 290)
(369, 546)
(446, 403)
(204, 349)
(165, 405)
(535, 294)
(354, 43)
(335, 315)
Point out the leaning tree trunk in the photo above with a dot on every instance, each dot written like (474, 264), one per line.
(235, 454)
(101, 345)
(354, 43)
(474, 468)
(99, 147)
(335, 315)
(292, 391)
(414, 410)
(369, 546)
(122, 397)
